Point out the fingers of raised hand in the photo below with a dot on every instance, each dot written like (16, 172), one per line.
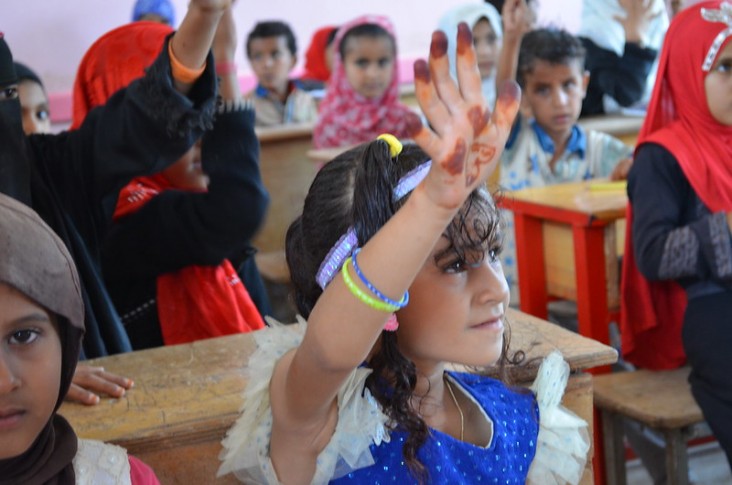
(488, 143)
(439, 67)
(467, 68)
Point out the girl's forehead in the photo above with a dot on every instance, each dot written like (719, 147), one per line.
(368, 42)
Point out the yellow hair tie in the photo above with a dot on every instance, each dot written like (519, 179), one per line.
(395, 146)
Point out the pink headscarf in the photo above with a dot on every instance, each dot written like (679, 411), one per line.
(345, 117)
(678, 119)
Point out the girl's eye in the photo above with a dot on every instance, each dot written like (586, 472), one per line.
(457, 266)
(42, 114)
(724, 67)
(362, 63)
(23, 337)
(8, 93)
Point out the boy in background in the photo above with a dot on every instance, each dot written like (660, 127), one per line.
(548, 147)
(272, 52)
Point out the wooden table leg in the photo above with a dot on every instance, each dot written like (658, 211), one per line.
(531, 267)
(677, 459)
(614, 448)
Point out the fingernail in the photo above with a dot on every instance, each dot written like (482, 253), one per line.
(421, 71)
(438, 47)
(464, 38)
(509, 92)
(414, 124)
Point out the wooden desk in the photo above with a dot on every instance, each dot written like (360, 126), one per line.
(187, 396)
(624, 127)
(566, 246)
(287, 175)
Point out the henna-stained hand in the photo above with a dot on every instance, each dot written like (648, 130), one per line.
(465, 140)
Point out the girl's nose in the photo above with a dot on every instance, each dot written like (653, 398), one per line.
(493, 286)
(8, 379)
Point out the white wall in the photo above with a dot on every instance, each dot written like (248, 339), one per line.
(51, 36)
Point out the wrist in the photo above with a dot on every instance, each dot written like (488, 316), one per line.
(225, 68)
(729, 220)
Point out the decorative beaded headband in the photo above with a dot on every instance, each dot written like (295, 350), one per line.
(723, 15)
(348, 242)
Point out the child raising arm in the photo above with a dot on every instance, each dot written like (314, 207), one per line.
(308, 418)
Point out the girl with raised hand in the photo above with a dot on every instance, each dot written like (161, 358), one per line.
(394, 264)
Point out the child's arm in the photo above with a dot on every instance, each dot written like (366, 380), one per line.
(516, 22)
(465, 147)
(224, 51)
(194, 37)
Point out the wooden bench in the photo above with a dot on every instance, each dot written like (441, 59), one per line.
(187, 396)
(660, 400)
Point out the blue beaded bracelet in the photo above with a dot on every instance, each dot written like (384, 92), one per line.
(399, 304)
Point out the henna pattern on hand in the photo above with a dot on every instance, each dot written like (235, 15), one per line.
(455, 162)
(478, 118)
(484, 154)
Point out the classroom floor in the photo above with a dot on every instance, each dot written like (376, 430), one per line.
(707, 466)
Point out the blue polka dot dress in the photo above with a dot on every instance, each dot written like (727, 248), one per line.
(534, 439)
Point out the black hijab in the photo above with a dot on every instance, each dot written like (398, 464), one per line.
(34, 261)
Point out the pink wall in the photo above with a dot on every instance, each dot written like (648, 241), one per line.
(52, 36)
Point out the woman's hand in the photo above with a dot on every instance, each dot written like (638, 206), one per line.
(89, 382)
(466, 140)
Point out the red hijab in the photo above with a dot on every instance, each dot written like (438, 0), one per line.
(345, 117)
(195, 302)
(114, 61)
(678, 119)
(316, 65)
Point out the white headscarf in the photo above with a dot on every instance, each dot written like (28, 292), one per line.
(471, 14)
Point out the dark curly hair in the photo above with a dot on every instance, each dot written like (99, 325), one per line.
(355, 189)
(552, 45)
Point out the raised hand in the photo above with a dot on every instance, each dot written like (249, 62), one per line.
(517, 19)
(210, 5)
(466, 140)
(638, 16)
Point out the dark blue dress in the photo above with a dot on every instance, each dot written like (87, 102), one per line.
(506, 460)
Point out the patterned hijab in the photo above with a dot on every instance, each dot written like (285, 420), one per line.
(34, 261)
(678, 119)
(345, 117)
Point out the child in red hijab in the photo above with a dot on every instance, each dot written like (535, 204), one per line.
(679, 241)
(170, 259)
(362, 98)
(319, 58)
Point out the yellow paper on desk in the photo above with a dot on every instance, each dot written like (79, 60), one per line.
(602, 186)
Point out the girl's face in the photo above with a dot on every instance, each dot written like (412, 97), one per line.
(187, 172)
(30, 371)
(718, 87)
(486, 46)
(369, 64)
(34, 108)
(456, 310)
